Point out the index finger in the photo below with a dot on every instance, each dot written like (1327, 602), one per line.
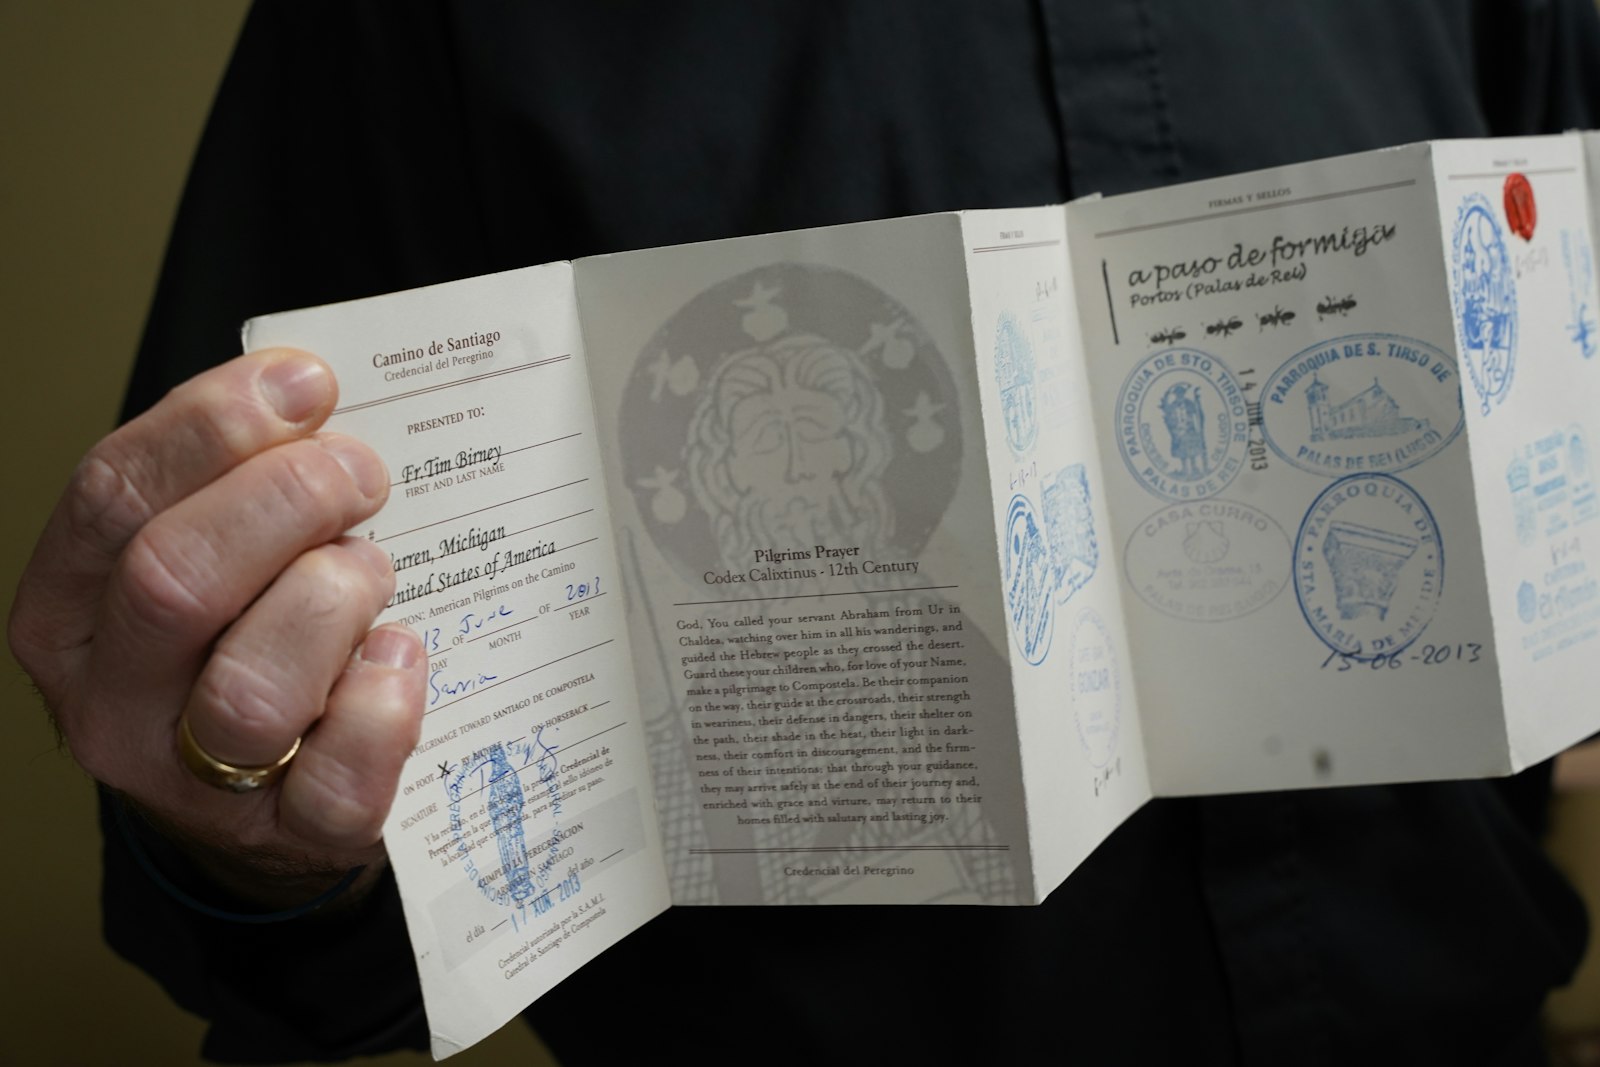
(197, 433)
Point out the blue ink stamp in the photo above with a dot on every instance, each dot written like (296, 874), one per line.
(1578, 256)
(1552, 499)
(1552, 490)
(1368, 566)
(489, 809)
(1527, 602)
(1028, 580)
(505, 816)
(1208, 561)
(1094, 686)
(1049, 559)
(1016, 375)
(1370, 402)
(1069, 524)
(1484, 290)
(1182, 424)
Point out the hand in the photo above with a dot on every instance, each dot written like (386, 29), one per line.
(195, 565)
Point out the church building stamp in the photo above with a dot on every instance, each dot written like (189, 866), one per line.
(1369, 402)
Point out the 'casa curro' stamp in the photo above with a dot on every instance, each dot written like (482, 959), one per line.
(1208, 560)
(1182, 424)
(1368, 566)
(1369, 402)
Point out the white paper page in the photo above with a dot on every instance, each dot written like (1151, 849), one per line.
(1287, 477)
(1591, 163)
(794, 444)
(1083, 763)
(1514, 214)
(524, 836)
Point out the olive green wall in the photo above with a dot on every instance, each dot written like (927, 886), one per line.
(101, 102)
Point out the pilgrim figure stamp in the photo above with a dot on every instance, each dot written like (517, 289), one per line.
(1182, 424)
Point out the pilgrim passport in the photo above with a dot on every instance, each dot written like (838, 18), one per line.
(900, 562)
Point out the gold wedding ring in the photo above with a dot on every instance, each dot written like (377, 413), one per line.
(213, 772)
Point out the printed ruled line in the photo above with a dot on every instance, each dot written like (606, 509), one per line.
(509, 536)
(1019, 244)
(809, 596)
(1252, 209)
(618, 852)
(849, 848)
(591, 737)
(450, 385)
(479, 511)
(503, 455)
(1105, 276)
(502, 681)
(535, 618)
(1509, 170)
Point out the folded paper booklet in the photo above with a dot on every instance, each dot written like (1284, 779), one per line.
(900, 562)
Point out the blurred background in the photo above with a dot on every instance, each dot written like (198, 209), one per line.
(103, 104)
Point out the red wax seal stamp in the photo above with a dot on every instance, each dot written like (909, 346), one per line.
(1520, 210)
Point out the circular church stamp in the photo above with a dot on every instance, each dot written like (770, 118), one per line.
(1208, 561)
(1369, 402)
(1182, 424)
(1484, 289)
(1368, 566)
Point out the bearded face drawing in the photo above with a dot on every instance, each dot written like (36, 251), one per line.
(787, 451)
(786, 408)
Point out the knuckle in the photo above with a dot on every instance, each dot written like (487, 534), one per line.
(245, 700)
(105, 506)
(222, 414)
(334, 585)
(162, 583)
(340, 807)
(313, 485)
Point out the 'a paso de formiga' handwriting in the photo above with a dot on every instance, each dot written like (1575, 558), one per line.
(1201, 275)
